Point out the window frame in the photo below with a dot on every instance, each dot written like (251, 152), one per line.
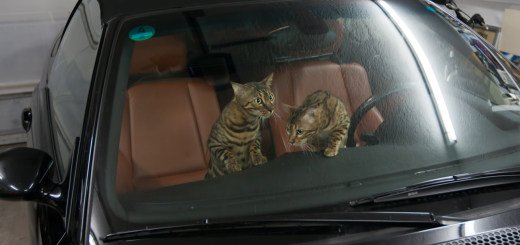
(77, 179)
(100, 143)
(61, 169)
(60, 172)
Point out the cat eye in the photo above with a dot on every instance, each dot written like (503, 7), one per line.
(299, 131)
(258, 101)
(271, 98)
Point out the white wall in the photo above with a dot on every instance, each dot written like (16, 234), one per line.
(27, 29)
(510, 37)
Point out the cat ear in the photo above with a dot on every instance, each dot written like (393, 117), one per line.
(239, 89)
(310, 114)
(267, 81)
(289, 109)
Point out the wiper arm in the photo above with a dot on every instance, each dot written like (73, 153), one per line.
(448, 184)
(289, 224)
(415, 218)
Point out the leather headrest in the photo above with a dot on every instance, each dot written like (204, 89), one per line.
(158, 54)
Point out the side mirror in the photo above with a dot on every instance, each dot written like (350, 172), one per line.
(25, 174)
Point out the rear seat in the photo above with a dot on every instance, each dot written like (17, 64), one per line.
(163, 141)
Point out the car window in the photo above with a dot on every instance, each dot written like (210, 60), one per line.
(511, 68)
(70, 76)
(269, 108)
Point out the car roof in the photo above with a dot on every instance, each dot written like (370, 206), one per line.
(113, 8)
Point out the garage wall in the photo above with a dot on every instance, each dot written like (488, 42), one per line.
(510, 38)
(27, 29)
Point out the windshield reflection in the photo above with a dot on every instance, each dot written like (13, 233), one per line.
(431, 80)
(166, 93)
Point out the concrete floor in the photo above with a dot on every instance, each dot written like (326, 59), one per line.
(14, 223)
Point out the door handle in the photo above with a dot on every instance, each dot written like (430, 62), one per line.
(26, 119)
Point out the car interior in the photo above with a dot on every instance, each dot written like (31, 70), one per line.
(179, 83)
(162, 95)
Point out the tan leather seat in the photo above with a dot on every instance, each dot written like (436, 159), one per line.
(166, 123)
(163, 136)
(293, 83)
(158, 54)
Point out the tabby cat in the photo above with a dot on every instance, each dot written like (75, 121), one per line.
(234, 141)
(321, 122)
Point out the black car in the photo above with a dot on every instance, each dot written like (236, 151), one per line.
(119, 124)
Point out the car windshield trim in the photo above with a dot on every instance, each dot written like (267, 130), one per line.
(447, 184)
(194, 200)
(291, 221)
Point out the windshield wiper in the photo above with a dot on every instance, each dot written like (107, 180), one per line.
(448, 184)
(312, 223)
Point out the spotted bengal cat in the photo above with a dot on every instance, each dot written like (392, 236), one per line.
(234, 141)
(321, 122)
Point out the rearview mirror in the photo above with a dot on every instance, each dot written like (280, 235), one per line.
(25, 174)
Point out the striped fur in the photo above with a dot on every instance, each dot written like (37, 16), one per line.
(234, 141)
(321, 122)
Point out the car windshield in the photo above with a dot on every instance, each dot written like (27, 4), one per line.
(252, 109)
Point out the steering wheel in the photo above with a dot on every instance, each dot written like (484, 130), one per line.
(370, 103)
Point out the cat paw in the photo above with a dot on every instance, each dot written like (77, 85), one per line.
(330, 152)
(257, 160)
(233, 168)
(232, 165)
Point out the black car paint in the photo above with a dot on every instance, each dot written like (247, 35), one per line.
(421, 207)
(72, 227)
(47, 222)
(438, 235)
(30, 179)
(85, 153)
(390, 235)
(49, 225)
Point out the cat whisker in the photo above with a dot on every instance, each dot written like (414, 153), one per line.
(285, 144)
(308, 148)
(303, 150)
(276, 116)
